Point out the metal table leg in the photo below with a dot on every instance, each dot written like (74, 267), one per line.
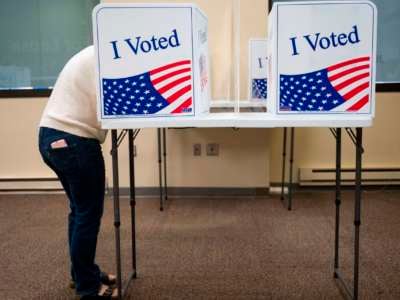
(290, 191)
(132, 199)
(338, 135)
(353, 294)
(116, 140)
(165, 163)
(160, 169)
(290, 185)
(117, 222)
(357, 210)
(283, 164)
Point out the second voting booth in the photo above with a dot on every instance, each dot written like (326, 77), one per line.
(324, 60)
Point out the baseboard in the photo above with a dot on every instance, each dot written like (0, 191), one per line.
(194, 191)
(42, 184)
(49, 185)
(370, 176)
(275, 187)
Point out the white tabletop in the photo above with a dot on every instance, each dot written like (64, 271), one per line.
(241, 120)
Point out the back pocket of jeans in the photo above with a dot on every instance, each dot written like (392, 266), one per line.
(64, 159)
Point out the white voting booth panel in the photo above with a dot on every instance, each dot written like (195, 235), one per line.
(152, 61)
(322, 58)
(258, 72)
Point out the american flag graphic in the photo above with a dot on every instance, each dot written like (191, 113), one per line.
(340, 87)
(259, 88)
(164, 90)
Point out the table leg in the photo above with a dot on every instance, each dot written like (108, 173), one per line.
(160, 169)
(338, 195)
(117, 222)
(165, 163)
(132, 199)
(357, 209)
(357, 139)
(283, 164)
(291, 170)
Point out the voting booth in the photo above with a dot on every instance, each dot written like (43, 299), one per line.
(258, 70)
(322, 58)
(152, 61)
(317, 69)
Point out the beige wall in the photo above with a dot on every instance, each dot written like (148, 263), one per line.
(315, 147)
(248, 157)
(243, 159)
(18, 143)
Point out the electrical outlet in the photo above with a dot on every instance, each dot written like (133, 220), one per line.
(212, 149)
(197, 149)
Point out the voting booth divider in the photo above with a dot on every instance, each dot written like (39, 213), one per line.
(153, 70)
(324, 62)
(152, 61)
(258, 70)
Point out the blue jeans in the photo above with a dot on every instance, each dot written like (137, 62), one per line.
(80, 168)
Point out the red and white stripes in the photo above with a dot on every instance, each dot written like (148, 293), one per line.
(351, 79)
(174, 83)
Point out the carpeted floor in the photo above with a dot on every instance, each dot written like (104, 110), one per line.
(218, 248)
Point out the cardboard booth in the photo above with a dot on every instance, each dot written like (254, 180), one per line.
(258, 71)
(322, 58)
(152, 61)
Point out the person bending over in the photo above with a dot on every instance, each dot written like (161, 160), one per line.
(69, 142)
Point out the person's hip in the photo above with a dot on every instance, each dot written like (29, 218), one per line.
(64, 151)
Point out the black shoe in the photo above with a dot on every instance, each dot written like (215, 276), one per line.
(107, 279)
(105, 292)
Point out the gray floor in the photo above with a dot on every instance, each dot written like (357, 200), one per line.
(218, 248)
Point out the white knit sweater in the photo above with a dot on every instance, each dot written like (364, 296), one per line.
(72, 106)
